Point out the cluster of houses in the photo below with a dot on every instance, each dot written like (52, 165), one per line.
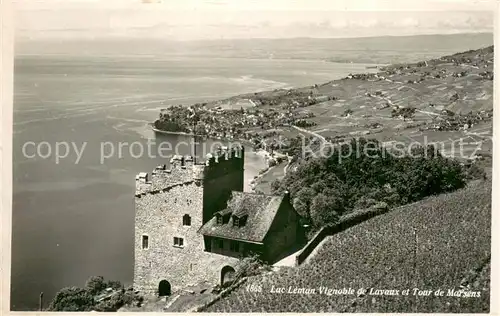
(247, 122)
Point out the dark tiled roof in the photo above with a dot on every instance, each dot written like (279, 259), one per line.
(260, 209)
(225, 211)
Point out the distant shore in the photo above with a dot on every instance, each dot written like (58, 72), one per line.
(156, 130)
(261, 153)
(170, 132)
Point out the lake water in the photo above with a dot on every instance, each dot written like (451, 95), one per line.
(75, 220)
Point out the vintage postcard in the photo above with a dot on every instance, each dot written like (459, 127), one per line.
(248, 156)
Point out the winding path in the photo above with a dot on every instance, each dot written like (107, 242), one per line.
(303, 130)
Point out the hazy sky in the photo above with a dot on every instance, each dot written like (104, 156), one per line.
(213, 19)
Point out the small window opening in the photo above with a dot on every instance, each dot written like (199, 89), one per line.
(235, 246)
(219, 219)
(220, 243)
(178, 242)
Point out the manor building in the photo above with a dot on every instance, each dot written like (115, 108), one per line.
(193, 223)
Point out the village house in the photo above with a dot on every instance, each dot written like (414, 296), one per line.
(253, 224)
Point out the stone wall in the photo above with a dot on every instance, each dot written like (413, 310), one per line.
(160, 217)
(226, 247)
(345, 222)
(162, 199)
(162, 178)
(244, 248)
(218, 191)
(223, 174)
(284, 232)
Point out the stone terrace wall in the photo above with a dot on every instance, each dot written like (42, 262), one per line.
(160, 217)
(222, 174)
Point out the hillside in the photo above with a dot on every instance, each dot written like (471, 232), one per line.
(372, 50)
(442, 242)
(443, 100)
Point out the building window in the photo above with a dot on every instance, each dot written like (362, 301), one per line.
(186, 220)
(219, 243)
(236, 221)
(235, 246)
(178, 242)
(145, 242)
(219, 219)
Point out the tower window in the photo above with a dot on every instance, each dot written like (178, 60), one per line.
(186, 220)
(178, 242)
(234, 246)
(219, 219)
(220, 243)
(145, 242)
(236, 221)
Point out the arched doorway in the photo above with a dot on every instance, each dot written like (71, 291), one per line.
(227, 275)
(164, 288)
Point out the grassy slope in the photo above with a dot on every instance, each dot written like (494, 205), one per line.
(453, 239)
(475, 94)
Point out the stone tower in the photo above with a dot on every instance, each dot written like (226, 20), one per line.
(170, 207)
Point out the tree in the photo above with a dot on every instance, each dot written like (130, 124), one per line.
(116, 301)
(409, 113)
(72, 299)
(404, 112)
(368, 173)
(95, 285)
(78, 299)
(325, 210)
(319, 186)
(347, 112)
(364, 202)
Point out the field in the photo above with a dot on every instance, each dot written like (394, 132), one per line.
(363, 104)
(264, 183)
(442, 242)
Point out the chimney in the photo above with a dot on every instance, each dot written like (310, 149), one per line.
(188, 161)
(177, 161)
(161, 167)
(142, 177)
(40, 302)
(286, 196)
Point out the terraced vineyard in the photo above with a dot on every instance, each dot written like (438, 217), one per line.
(442, 242)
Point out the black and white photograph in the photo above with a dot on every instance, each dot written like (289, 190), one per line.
(216, 156)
